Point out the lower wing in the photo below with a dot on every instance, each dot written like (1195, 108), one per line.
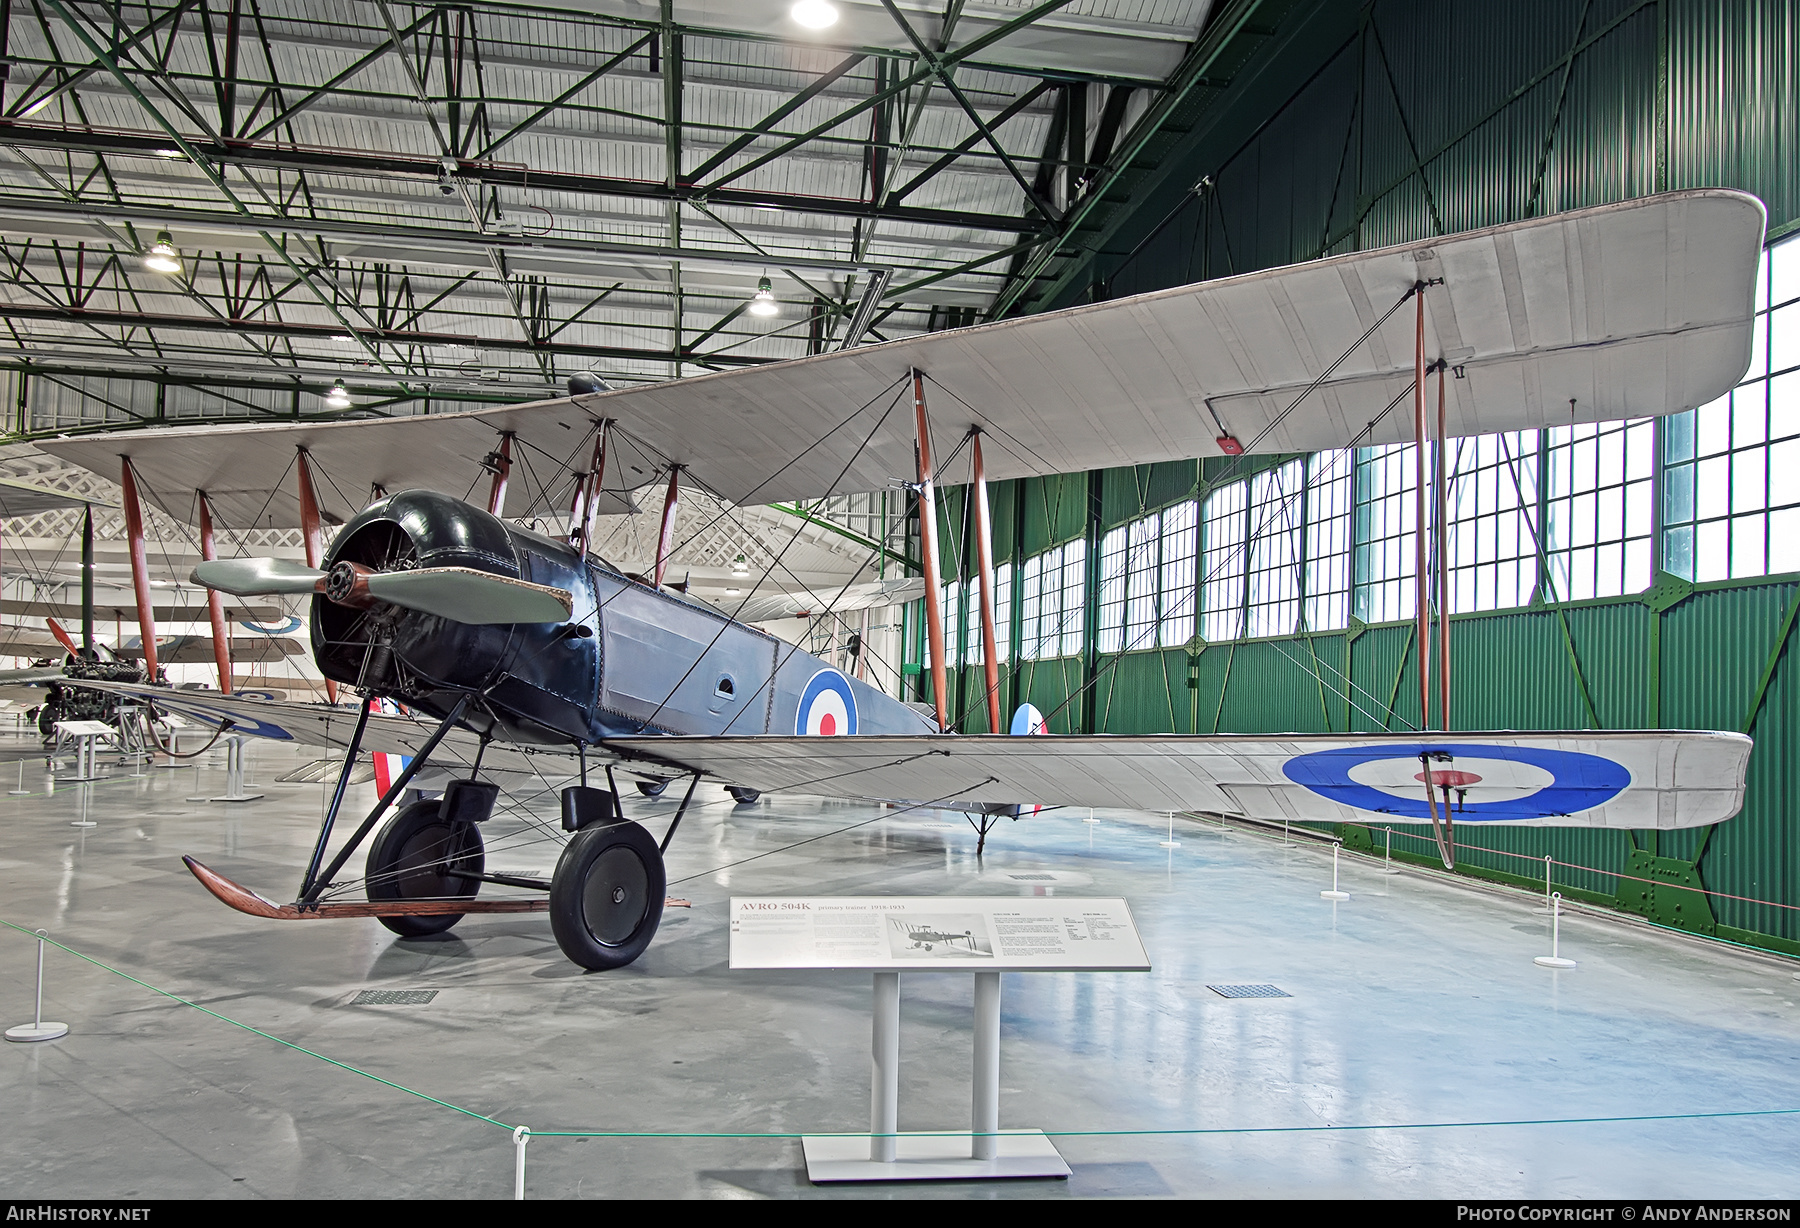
(1653, 779)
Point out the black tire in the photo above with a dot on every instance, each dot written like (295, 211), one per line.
(744, 797)
(652, 788)
(606, 897)
(418, 856)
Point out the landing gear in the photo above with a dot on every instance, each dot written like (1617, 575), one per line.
(419, 856)
(652, 788)
(606, 897)
(743, 797)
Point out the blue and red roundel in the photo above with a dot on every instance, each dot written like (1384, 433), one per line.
(827, 706)
(1504, 784)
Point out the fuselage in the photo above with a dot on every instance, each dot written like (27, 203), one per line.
(630, 659)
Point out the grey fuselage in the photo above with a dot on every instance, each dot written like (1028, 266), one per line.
(630, 660)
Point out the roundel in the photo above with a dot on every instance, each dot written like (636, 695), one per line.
(1490, 783)
(240, 722)
(827, 705)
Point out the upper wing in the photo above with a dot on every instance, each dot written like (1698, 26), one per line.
(871, 594)
(1625, 310)
(1585, 779)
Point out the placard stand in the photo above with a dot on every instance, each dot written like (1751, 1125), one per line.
(985, 1152)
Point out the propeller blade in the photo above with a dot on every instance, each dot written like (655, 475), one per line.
(257, 577)
(464, 595)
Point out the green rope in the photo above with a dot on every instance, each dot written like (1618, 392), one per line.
(1412, 1125)
(258, 1031)
(779, 1134)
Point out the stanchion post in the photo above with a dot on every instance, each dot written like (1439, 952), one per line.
(884, 1072)
(521, 1136)
(1555, 959)
(1334, 893)
(1171, 842)
(1387, 858)
(984, 1117)
(21, 791)
(37, 1029)
(1549, 860)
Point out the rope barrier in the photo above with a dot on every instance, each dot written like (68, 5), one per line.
(1570, 865)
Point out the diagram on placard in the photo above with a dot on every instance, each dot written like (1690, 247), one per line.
(946, 937)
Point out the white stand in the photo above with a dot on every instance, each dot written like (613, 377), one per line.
(1171, 842)
(1334, 893)
(1555, 959)
(84, 821)
(521, 1136)
(85, 735)
(885, 1154)
(1387, 859)
(1546, 910)
(1090, 818)
(37, 1029)
(21, 791)
(234, 772)
(198, 783)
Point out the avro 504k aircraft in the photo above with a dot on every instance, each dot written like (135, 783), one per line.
(534, 657)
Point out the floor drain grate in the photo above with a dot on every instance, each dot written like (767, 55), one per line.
(393, 997)
(1249, 991)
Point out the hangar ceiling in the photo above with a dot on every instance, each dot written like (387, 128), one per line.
(442, 203)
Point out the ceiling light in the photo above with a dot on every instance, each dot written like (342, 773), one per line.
(338, 397)
(732, 592)
(763, 304)
(167, 153)
(163, 258)
(342, 337)
(814, 14)
(740, 566)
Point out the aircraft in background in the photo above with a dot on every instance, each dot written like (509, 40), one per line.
(533, 657)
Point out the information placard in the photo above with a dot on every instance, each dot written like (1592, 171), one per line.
(936, 933)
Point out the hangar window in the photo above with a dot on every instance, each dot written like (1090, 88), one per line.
(1597, 502)
(1147, 581)
(1003, 612)
(1052, 596)
(1224, 538)
(1273, 598)
(1731, 469)
(950, 611)
(1386, 479)
(1492, 493)
(1327, 571)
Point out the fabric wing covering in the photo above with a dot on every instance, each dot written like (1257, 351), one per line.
(1585, 779)
(1626, 310)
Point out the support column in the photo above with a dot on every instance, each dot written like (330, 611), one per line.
(501, 461)
(215, 605)
(984, 1117)
(928, 553)
(140, 566)
(1440, 538)
(87, 581)
(984, 566)
(665, 540)
(312, 532)
(1421, 579)
(884, 1072)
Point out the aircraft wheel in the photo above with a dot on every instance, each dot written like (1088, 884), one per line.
(652, 788)
(606, 897)
(418, 856)
(743, 797)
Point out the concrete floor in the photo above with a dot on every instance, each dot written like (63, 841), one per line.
(1415, 1002)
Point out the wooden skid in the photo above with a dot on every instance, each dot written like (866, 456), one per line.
(247, 901)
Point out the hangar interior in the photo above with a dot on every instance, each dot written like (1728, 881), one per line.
(227, 214)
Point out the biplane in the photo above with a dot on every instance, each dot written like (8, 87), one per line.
(516, 649)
